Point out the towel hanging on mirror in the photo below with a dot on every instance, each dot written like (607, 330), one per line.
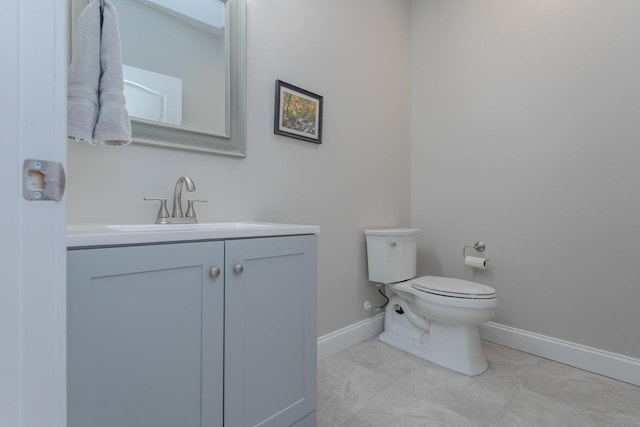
(96, 108)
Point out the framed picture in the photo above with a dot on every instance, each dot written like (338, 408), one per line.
(298, 113)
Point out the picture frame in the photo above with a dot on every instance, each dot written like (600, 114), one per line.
(298, 113)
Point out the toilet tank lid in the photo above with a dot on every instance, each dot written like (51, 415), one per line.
(392, 232)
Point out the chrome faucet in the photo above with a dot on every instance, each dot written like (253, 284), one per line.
(177, 215)
(177, 195)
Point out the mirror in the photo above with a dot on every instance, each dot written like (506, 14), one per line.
(184, 72)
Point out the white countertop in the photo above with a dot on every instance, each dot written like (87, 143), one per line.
(109, 235)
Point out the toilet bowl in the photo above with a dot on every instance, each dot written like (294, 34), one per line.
(441, 329)
(435, 318)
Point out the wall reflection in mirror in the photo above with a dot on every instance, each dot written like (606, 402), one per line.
(184, 69)
(175, 62)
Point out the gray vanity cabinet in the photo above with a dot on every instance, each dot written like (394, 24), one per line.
(155, 340)
(145, 333)
(270, 332)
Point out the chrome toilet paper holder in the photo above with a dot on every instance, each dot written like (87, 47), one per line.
(478, 246)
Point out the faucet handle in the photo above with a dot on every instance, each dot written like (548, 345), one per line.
(163, 212)
(191, 212)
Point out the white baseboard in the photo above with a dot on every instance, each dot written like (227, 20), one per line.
(591, 359)
(337, 341)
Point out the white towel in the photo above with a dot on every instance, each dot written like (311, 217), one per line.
(113, 127)
(84, 76)
(96, 105)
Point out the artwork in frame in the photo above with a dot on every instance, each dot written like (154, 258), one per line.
(298, 113)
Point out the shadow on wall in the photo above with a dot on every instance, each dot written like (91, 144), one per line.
(428, 263)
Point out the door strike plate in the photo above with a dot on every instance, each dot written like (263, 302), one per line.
(42, 180)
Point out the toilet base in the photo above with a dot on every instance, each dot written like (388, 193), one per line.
(456, 347)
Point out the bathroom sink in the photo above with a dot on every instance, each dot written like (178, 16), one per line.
(106, 235)
(205, 226)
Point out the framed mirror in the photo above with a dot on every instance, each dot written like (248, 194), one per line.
(184, 72)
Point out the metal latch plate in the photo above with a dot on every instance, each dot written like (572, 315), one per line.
(43, 180)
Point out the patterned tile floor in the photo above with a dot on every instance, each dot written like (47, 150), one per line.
(375, 385)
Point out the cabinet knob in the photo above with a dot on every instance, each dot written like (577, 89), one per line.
(215, 272)
(238, 268)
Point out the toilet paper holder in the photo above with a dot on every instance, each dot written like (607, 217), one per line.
(478, 246)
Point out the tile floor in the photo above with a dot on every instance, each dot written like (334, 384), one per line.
(375, 385)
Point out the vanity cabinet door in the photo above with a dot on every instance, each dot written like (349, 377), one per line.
(270, 331)
(145, 333)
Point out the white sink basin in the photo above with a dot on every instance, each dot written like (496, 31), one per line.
(106, 235)
(137, 228)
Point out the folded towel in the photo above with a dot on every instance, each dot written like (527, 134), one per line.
(96, 110)
(113, 127)
(84, 76)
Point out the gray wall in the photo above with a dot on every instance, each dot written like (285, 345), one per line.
(526, 134)
(359, 177)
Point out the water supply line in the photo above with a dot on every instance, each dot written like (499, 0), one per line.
(368, 306)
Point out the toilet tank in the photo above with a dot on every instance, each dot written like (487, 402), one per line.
(391, 254)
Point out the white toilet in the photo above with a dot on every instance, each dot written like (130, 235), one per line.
(435, 318)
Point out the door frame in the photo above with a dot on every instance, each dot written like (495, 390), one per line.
(34, 48)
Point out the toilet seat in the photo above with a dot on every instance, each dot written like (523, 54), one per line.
(452, 288)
